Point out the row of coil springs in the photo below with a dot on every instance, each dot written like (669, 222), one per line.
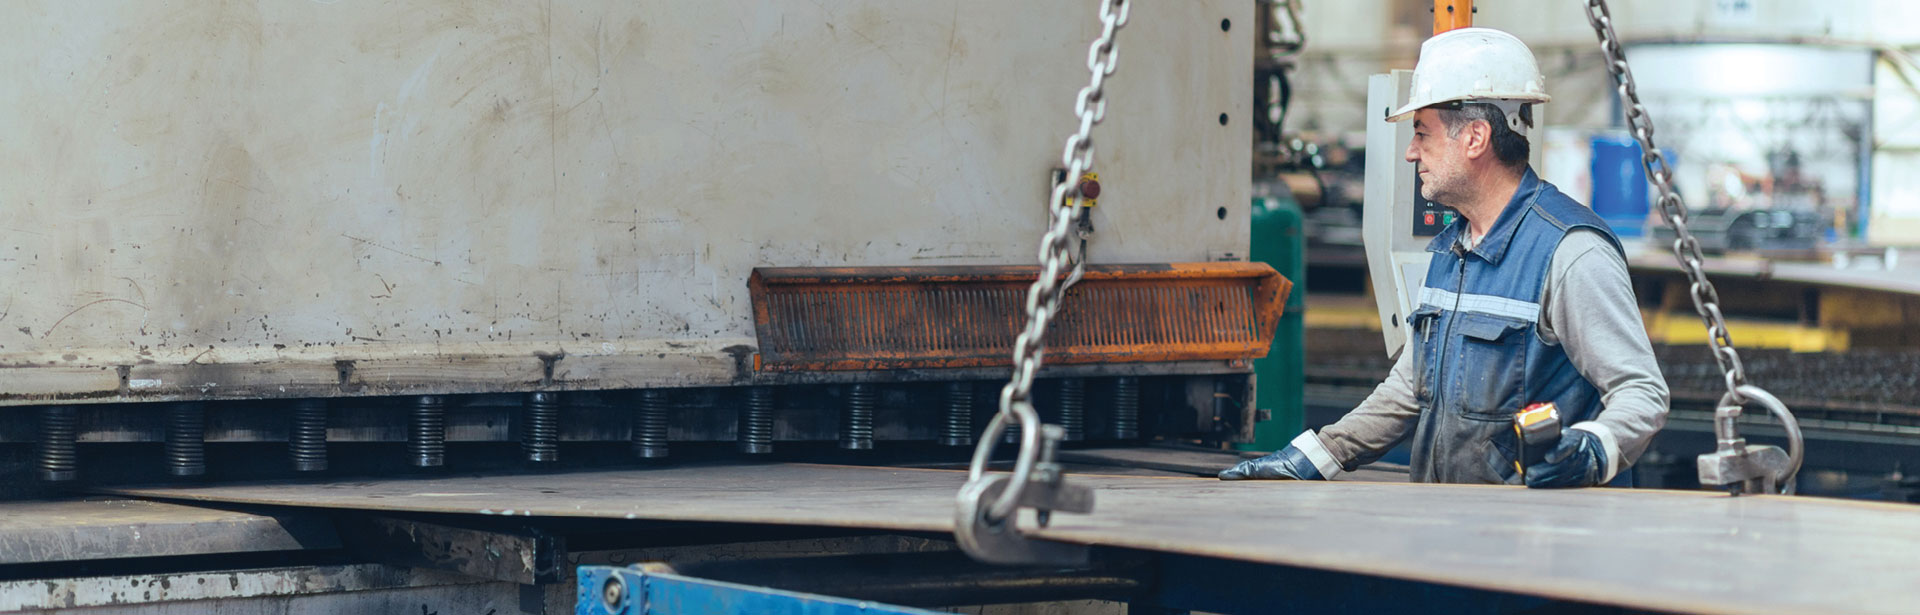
(57, 458)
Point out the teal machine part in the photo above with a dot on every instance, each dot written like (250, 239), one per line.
(1279, 241)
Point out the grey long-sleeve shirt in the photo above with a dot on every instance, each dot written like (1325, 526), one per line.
(1587, 306)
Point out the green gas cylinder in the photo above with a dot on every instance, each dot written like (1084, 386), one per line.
(1280, 241)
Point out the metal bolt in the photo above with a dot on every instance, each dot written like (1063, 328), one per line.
(1126, 408)
(756, 422)
(1048, 471)
(1073, 409)
(613, 593)
(856, 420)
(958, 429)
(307, 441)
(541, 442)
(186, 440)
(427, 432)
(59, 428)
(650, 425)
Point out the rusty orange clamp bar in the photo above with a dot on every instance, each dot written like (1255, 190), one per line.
(1452, 15)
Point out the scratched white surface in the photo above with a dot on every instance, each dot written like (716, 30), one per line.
(198, 182)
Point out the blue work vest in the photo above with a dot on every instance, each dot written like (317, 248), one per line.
(1477, 351)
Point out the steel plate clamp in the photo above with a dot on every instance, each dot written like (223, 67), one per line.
(1743, 468)
(1081, 201)
(986, 522)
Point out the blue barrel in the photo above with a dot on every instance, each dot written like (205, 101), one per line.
(1620, 191)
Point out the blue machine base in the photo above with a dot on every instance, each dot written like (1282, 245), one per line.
(607, 590)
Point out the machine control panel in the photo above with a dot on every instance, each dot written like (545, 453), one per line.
(1429, 218)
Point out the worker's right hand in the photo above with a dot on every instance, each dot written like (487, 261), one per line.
(1579, 460)
(1286, 464)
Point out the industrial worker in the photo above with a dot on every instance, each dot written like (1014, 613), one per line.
(1526, 300)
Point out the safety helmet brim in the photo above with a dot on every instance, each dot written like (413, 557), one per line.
(1406, 112)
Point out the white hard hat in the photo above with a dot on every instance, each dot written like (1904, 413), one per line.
(1476, 65)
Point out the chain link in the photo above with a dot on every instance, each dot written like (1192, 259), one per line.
(1059, 269)
(1686, 247)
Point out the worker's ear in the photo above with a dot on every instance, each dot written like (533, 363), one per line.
(1478, 139)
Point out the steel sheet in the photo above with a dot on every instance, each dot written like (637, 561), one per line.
(1666, 550)
(41, 532)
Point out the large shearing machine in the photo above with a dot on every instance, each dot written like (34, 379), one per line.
(615, 307)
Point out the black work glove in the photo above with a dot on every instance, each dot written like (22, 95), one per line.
(1286, 464)
(1578, 461)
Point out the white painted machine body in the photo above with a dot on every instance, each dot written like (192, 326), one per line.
(234, 200)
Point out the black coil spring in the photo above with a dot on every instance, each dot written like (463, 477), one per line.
(856, 420)
(1073, 409)
(427, 432)
(59, 429)
(957, 430)
(186, 440)
(650, 425)
(756, 422)
(307, 441)
(541, 441)
(1126, 408)
(1013, 431)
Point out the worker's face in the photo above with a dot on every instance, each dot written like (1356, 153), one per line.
(1439, 158)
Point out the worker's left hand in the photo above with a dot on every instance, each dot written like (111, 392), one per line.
(1289, 463)
(1578, 461)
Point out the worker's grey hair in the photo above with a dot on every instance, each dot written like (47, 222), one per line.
(1509, 147)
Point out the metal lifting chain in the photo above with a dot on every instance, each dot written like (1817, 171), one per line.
(1686, 248)
(1059, 270)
